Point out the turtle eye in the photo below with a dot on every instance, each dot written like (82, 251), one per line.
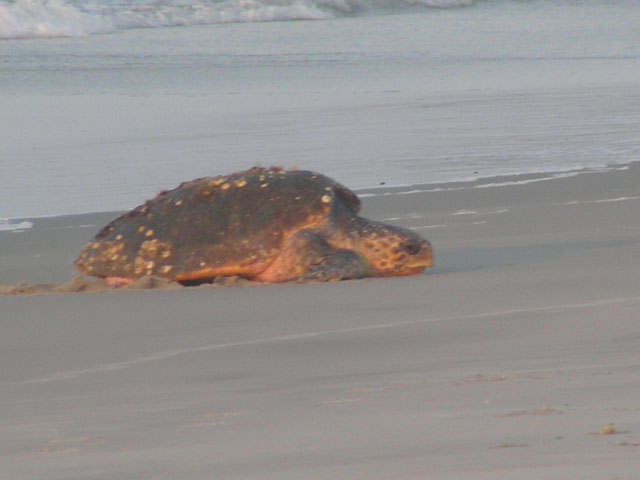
(411, 247)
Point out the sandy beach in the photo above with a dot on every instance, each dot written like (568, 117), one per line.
(516, 356)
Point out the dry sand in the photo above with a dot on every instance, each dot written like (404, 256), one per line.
(516, 357)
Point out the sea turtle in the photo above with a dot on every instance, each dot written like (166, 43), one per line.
(264, 224)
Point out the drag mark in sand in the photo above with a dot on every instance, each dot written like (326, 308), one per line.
(163, 355)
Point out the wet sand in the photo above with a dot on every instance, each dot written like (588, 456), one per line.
(516, 356)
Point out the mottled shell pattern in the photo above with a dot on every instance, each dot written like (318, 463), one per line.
(266, 224)
(224, 225)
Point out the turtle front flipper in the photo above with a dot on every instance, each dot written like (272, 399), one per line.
(308, 257)
(341, 264)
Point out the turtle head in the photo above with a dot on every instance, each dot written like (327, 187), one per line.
(391, 250)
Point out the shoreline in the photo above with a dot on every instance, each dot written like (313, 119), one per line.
(53, 276)
(6, 223)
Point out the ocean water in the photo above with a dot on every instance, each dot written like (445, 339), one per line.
(104, 103)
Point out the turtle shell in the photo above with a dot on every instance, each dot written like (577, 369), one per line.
(226, 225)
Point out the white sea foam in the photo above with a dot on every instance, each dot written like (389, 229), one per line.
(71, 18)
(9, 226)
(602, 200)
(506, 183)
(48, 18)
(465, 212)
(428, 227)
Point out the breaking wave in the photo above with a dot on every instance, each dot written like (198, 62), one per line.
(70, 18)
